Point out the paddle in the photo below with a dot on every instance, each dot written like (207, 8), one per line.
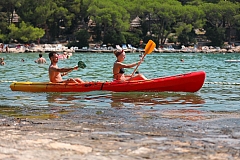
(148, 49)
(81, 64)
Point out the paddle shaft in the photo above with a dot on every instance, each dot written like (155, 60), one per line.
(138, 65)
(148, 49)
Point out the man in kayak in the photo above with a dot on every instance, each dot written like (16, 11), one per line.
(40, 60)
(118, 68)
(55, 73)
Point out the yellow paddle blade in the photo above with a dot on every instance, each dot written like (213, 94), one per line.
(149, 47)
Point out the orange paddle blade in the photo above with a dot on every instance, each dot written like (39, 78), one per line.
(149, 47)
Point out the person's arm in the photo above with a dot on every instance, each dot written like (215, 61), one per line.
(121, 65)
(61, 70)
(64, 74)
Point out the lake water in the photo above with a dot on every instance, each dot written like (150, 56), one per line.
(220, 92)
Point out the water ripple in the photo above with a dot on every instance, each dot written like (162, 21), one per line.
(219, 93)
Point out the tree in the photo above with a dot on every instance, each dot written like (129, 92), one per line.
(82, 37)
(36, 12)
(219, 17)
(9, 7)
(114, 37)
(162, 17)
(190, 18)
(2, 37)
(109, 15)
(25, 32)
(3, 23)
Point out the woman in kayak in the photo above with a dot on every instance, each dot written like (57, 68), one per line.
(118, 68)
(55, 73)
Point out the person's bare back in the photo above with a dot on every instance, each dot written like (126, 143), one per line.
(41, 60)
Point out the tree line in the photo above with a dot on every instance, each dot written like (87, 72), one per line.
(109, 21)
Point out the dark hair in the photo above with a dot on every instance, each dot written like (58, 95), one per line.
(118, 52)
(51, 54)
(40, 55)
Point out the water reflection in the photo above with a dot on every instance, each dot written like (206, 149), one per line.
(154, 99)
(122, 100)
(166, 104)
(56, 104)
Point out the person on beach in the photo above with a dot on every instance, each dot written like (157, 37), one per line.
(55, 73)
(40, 60)
(7, 48)
(118, 68)
(2, 61)
(1, 47)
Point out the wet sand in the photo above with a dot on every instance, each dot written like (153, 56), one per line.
(117, 134)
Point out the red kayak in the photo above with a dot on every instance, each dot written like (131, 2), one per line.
(188, 82)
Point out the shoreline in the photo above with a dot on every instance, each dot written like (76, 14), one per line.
(124, 135)
(45, 48)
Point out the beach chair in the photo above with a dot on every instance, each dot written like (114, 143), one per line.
(131, 47)
(118, 47)
(124, 47)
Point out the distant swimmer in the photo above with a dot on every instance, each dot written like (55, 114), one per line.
(40, 60)
(2, 61)
(182, 60)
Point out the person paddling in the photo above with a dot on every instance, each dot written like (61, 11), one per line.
(55, 73)
(118, 68)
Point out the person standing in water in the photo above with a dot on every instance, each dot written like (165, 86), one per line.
(2, 61)
(40, 60)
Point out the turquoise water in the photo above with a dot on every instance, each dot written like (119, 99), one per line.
(220, 92)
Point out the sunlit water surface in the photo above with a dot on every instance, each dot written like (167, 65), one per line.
(220, 91)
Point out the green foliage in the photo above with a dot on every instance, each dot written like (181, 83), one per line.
(187, 38)
(82, 37)
(164, 16)
(109, 15)
(36, 12)
(114, 37)
(3, 22)
(2, 37)
(219, 17)
(111, 18)
(215, 35)
(25, 32)
(131, 38)
(172, 39)
(9, 7)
